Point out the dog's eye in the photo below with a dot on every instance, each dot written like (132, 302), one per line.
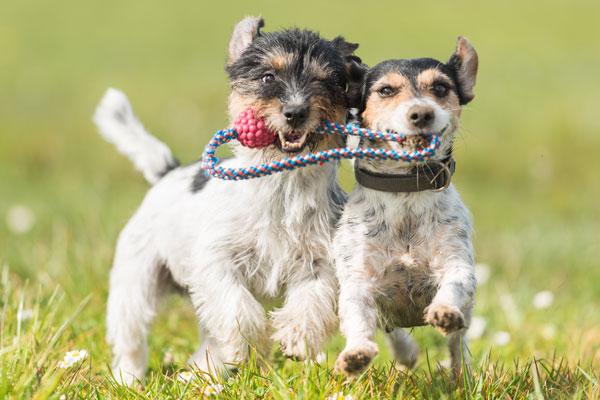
(440, 89)
(267, 78)
(386, 91)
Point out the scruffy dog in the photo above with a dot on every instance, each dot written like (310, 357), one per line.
(403, 249)
(228, 243)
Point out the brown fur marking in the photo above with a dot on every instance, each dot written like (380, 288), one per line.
(425, 81)
(281, 60)
(375, 103)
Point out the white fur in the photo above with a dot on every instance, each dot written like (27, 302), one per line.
(117, 124)
(227, 244)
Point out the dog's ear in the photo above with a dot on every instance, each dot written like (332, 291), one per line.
(243, 34)
(345, 48)
(355, 70)
(465, 62)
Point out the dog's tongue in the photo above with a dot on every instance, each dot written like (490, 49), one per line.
(252, 131)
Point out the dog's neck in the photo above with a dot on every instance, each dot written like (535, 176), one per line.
(413, 203)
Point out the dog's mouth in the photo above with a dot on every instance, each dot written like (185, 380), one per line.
(417, 141)
(292, 141)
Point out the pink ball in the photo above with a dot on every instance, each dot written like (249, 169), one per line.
(252, 131)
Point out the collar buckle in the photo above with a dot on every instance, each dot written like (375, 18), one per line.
(445, 169)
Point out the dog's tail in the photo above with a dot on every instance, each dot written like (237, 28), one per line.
(118, 125)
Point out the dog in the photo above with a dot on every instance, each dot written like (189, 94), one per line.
(403, 250)
(229, 243)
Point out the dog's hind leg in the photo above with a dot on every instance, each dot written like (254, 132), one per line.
(459, 352)
(404, 347)
(135, 284)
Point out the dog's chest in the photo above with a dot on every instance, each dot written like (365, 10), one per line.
(400, 258)
(285, 238)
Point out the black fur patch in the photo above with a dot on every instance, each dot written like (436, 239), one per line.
(199, 181)
(171, 165)
(338, 199)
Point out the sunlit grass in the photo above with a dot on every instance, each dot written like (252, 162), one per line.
(527, 168)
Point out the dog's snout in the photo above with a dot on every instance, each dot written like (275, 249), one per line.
(295, 114)
(421, 116)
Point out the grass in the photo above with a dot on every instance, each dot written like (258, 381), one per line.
(527, 169)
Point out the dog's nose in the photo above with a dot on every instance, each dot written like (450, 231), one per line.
(295, 114)
(420, 116)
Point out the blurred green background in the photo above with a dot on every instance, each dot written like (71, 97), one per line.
(528, 154)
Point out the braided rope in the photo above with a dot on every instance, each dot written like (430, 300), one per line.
(210, 160)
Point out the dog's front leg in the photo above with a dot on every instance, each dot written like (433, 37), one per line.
(307, 318)
(450, 310)
(358, 317)
(231, 318)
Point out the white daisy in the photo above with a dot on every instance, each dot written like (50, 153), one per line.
(71, 358)
(477, 328)
(340, 396)
(543, 299)
(482, 273)
(20, 219)
(213, 390)
(502, 338)
(24, 315)
(185, 376)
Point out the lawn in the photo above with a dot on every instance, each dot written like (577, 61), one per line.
(528, 162)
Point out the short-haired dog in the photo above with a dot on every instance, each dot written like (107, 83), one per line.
(230, 243)
(403, 250)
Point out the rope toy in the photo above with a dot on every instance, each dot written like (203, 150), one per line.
(252, 132)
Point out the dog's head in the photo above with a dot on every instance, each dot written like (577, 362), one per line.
(292, 79)
(420, 96)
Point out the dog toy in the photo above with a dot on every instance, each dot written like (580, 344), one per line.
(210, 160)
(252, 131)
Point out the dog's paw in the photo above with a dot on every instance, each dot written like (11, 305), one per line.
(292, 343)
(445, 318)
(127, 374)
(299, 338)
(354, 360)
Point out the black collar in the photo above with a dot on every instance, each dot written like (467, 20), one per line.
(434, 175)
